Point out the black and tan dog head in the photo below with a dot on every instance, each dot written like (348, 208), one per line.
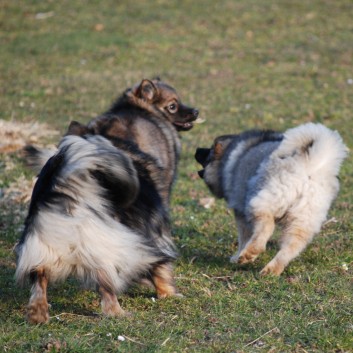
(211, 161)
(165, 100)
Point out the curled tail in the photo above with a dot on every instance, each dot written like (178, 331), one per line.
(322, 147)
(96, 160)
(86, 171)
(36, 157)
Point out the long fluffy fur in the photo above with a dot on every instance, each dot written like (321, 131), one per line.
(300, 176)
(269, 177)
(36, 158)
(99, 209)
(71, 228)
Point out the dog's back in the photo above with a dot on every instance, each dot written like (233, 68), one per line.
(302, 171)
(241, 162)
(255, 162)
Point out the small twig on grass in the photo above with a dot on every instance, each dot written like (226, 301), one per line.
(71, 314)
(192, 260)
(186, 278)
(132, 340)
(160, 324)
(165, 341)
(331, 220)
(266, 333)
(14, 298)
(216, 277)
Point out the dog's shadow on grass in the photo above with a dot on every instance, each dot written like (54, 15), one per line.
(196, 249)
(214, 252)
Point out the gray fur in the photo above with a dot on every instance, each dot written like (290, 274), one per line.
(269, 178)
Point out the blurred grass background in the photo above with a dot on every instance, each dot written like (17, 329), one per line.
(244, 64)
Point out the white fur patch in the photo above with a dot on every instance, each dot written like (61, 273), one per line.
(300, 176)
(82, 245)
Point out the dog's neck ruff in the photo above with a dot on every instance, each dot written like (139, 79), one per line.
(227, 168)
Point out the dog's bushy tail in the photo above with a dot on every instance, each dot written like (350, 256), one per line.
(110, 167)
(36, 157)
(322, 148)
(73, 207)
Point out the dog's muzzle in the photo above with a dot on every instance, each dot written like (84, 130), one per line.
(201, 173)
(201, 155)
(190, 115)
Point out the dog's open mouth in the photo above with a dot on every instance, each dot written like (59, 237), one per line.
(183, 126)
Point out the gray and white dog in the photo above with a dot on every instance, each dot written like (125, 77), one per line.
(269, 177)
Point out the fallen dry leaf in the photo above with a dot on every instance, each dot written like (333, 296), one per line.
(207, 202)
(19, 191)
(15, 135)
(99, 27)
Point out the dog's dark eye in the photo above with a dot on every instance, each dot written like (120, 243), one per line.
(172, 108)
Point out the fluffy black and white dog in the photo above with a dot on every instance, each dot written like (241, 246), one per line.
(77, 199)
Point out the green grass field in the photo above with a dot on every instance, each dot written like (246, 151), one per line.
(244, 64)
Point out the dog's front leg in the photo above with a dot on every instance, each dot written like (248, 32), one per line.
(163, 280)
(263, 227)
(244, 234)
(38, 308)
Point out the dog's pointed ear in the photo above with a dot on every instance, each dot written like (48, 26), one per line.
(78, 129)
(218, 150)
(146, 90)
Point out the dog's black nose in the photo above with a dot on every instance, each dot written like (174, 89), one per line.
(195, 113)
(201, 155)
(201, 173)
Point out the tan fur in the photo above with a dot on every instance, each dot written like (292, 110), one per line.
(109, 303)
(264, 226)
(162, 277)
(38, 308)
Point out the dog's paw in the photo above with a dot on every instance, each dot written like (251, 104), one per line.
(163, 295)
(116, 311)
(272, 268)
(234, 259)
(246, 257)
(38, 312)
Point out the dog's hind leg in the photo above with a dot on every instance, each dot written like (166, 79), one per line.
(294, 240)
(109, 301)
(244, 234)
(38, 308)
(163, 280)
(263, 227)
